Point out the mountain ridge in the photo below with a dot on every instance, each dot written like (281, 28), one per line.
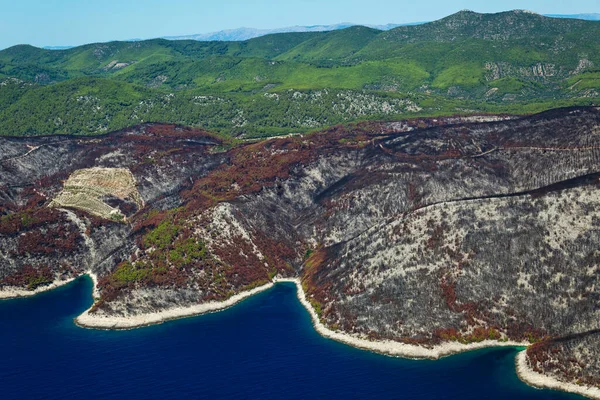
(246, 33)
(515, 62)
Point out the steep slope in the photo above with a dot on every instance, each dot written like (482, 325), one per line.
(572, 358)
(419, 232)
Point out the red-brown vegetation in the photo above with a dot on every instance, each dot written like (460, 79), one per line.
(55, 239)
(30, 277)
(27, 219)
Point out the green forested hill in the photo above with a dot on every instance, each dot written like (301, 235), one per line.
(468, 62)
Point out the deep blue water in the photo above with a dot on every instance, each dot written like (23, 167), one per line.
(263, 348)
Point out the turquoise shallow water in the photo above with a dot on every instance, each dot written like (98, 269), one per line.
(264, 347)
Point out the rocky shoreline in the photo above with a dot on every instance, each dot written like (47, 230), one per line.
(19, 292)
(87, 320)
(535, 379)
(389, 348)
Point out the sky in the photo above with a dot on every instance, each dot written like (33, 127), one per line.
(75, 22)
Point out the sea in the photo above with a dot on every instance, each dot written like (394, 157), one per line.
(263, 348)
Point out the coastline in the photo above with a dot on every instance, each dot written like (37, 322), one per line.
(385, 347)
(94, 278)
(540, 381)
(389, 347)
(86, 320)
(12, 292)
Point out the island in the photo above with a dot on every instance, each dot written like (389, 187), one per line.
(419, 238)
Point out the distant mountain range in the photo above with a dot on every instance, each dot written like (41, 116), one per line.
(588, 17)
(241, 34)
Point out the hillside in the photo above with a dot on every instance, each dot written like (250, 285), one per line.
(418, 232)
(515, 62)
(431, 188)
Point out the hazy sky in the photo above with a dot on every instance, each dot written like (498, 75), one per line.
(74, 22)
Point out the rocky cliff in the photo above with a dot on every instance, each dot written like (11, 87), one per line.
(421, 232)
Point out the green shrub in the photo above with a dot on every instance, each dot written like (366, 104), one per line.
(162, 236)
